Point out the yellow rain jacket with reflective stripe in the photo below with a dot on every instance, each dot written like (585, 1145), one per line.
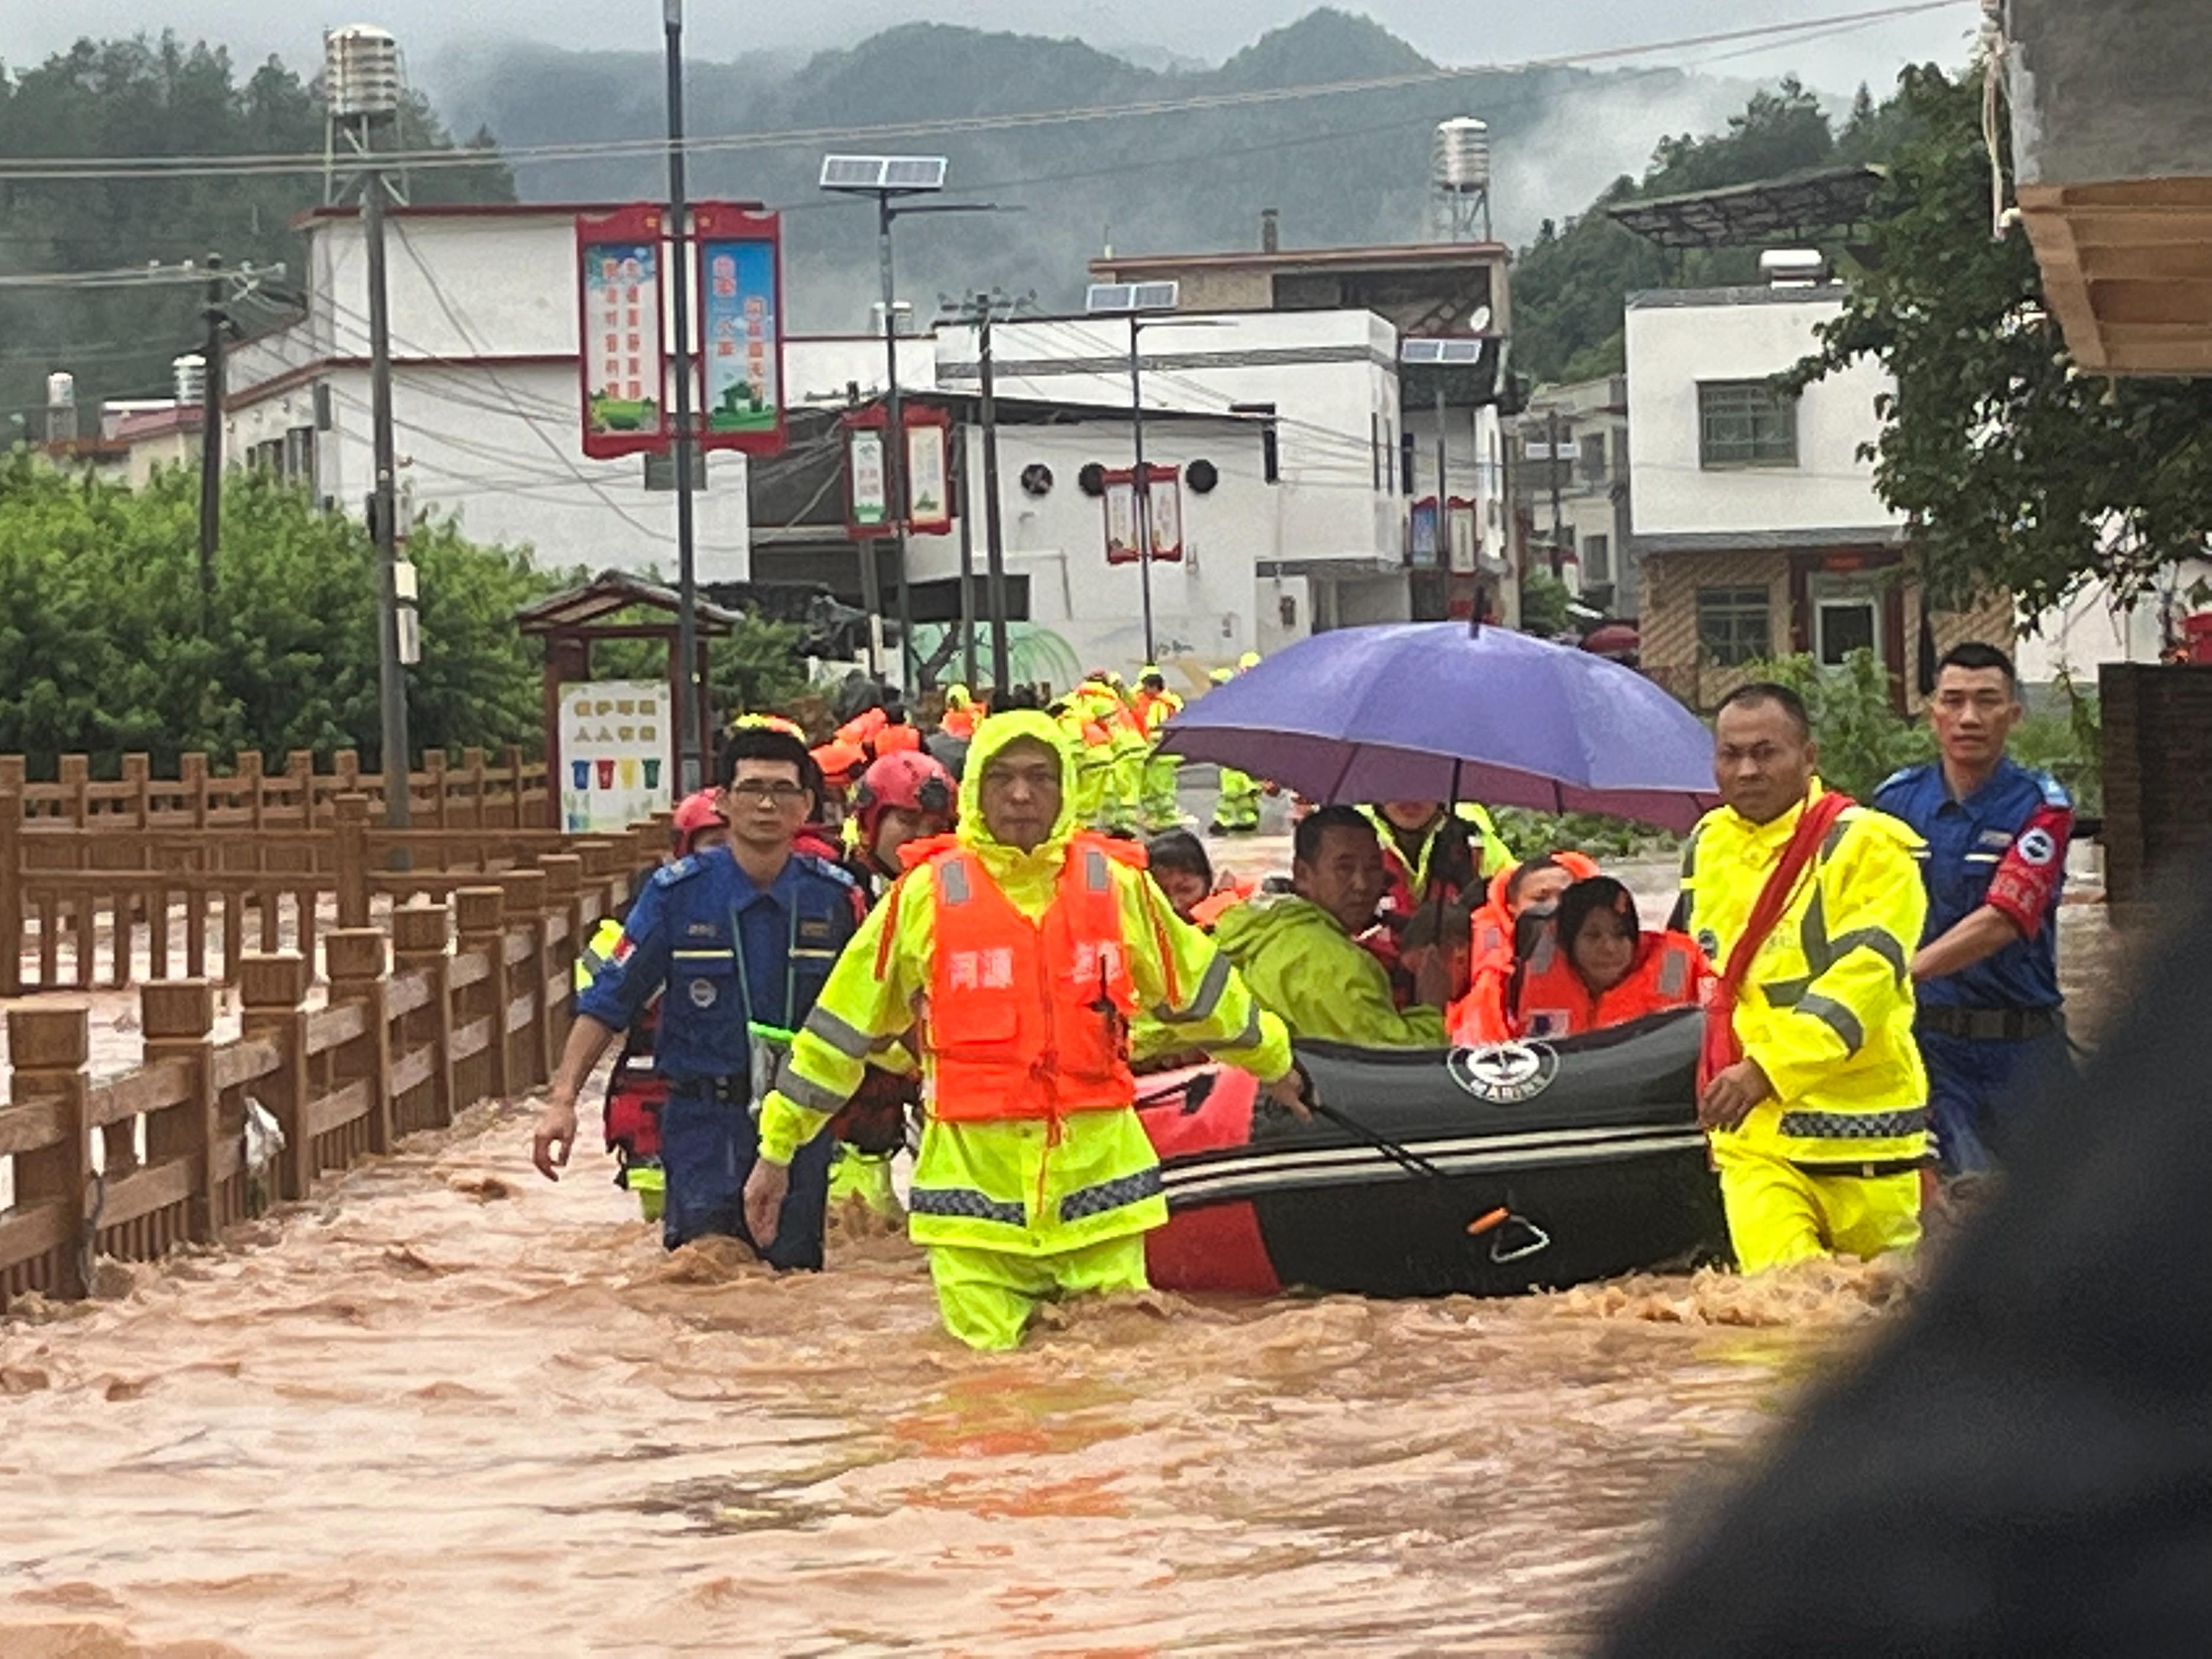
(1030, 1188)
(1826, 1009)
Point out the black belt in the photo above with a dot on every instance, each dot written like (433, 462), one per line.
(1991, 1025)
(721, 1090)
(1894, 1166)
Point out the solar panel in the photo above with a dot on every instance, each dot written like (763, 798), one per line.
(1117, 299)
(1108, 297)
(853, 173)
(914, 173)
(1440, 351)
(1155, 296)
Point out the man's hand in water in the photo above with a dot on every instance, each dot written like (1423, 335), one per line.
(1291, 1091)
(556, 1127)
(765, 1190)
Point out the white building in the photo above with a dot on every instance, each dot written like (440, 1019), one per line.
(1757, 524)
(486, 404)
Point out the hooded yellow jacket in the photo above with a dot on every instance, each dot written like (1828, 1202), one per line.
(1826, 1009)
(1302, 965)
(1015, 1186)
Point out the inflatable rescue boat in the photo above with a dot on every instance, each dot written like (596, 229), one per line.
(1489, 1171)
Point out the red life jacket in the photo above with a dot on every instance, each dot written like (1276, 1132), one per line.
(1029, 1020)
(1553, 1001)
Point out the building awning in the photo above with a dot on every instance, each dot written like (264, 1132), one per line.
(2127, 270)
(1811, 207)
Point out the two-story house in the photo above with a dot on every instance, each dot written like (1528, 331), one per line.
(1756, 520)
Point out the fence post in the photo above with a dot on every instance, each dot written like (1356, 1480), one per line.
(178, 1017)
(47, 1048)
(352, 860)
(270, 989)
(11, 894)
(354, 959)
(525, 909)
(300, 773)
(434, 781)
(192, 772)
(252, 785)
(418, 942)
(138, 773)
(517, 818)
(472, 762)
(76, 780)
(564, 897)
(479, 923)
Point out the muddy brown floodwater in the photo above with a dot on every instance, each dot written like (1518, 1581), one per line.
(449, 1409)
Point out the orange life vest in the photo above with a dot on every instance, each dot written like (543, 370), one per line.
(957, 723)
(1029, 1020)
(1209, 910)
(1554, 1002)
(1479, 1016)
(1153, 710)
(894, 739)
(863, 726)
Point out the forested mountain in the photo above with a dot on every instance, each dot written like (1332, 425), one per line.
(140, 97)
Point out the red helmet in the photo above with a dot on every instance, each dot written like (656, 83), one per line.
(693, 814)
(908, 779)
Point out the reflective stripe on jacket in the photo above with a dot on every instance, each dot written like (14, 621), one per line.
(1826, 1009)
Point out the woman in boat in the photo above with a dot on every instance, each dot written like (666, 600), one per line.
(1592, 966)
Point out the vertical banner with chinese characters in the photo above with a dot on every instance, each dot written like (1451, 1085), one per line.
(1165, 507)
(616, 762)
(1120, 503)
(620, 354)
(1465, 545)
(740, 329)
(867, 482)
(928, 470)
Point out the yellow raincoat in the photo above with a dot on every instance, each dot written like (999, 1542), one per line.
(1008, 1213)
(1302, 965)
(1825, 1163)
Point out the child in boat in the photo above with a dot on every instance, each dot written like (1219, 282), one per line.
(1593, 967)
(1185, 876)
(1479, 1013)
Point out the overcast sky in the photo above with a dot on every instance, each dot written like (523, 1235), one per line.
(1449, 31)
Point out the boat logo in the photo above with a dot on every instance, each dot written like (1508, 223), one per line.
(1504, 1074)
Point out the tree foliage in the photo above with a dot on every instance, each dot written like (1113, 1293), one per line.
(103, 650)
(147, 97)
(2016, 471)
(1568, 287)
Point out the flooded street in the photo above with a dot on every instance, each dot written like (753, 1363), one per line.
(448, 1407)
(451, 1407)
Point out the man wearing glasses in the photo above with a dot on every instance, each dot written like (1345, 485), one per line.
(743, 936)
(1989, 1020)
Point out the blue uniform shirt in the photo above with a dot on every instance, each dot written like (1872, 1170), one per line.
(705, 931)
(2005, 846)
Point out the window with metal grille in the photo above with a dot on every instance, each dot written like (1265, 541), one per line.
(1736, 625)
(1597, 558)
(1745, 423)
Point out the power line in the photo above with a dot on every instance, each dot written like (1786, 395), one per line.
(156, 167)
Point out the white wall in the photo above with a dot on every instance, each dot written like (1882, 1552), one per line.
(1673, 347)
(1329, 373)
(1085, 613)
(493, 432)
(2090, 629)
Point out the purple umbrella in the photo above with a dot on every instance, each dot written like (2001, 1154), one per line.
(1436, 711)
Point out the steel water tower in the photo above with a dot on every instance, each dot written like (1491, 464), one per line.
(1459, 180)
(362, 83)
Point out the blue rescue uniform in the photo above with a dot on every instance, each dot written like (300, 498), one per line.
(735, 959)
(1992, 1032)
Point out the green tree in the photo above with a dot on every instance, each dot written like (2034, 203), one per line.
(103, 649)
(2016, 472)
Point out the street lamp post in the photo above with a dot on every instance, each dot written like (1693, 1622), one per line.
(1132, 300)
(890, 179)
(691, 764)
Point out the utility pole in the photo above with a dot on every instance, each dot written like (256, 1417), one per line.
(1144, 485)
(1559, 532)
(690, 763)
(872, 581)
(982, 311)
(967, 557)
(895, 444)
(391, 675)
(1443, 494)
(211, 399)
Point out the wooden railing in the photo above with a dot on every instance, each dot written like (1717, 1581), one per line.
(478, 793)
(464, 1001)
(111, 902)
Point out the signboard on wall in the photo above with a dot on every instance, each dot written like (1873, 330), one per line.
(1466, 538)
(618, 744)
(928, 470)
(620, 353)
(1119, 501)
(740, 278)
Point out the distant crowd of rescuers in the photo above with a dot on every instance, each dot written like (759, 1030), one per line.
(842, 932)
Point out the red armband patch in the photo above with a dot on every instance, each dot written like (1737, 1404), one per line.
(2031, 870)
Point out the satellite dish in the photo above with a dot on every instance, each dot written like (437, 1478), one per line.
(1478, 320)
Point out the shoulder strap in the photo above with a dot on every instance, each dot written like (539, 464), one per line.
(1813, 827)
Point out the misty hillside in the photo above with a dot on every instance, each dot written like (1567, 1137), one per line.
(1343, 168)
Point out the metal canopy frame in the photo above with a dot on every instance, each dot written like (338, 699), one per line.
(1813, 207)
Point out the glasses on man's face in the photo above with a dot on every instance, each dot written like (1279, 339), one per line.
(779, 793)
